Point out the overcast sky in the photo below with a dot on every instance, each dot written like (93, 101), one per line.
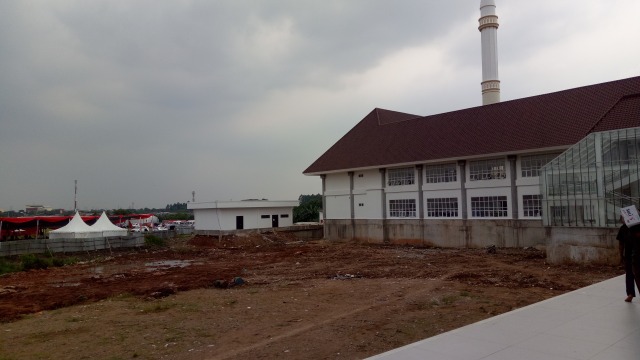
(145, 101)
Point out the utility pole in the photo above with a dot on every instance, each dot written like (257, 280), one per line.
(75, 197)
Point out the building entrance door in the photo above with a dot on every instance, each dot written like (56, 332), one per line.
(239, 222)
(274, 220)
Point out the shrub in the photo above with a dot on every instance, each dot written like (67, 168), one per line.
(31, 261)
(8, 266)
(153, 241)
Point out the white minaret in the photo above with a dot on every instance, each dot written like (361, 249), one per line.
(489, 34)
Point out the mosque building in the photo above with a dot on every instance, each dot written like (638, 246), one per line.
(550, 170)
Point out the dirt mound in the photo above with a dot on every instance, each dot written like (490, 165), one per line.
(244, 241)
(260, 295)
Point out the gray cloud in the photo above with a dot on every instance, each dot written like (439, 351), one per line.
(145, 101)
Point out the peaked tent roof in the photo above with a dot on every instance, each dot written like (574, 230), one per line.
(558, 119)
(75, 225)
(104, 224)
(106, 227)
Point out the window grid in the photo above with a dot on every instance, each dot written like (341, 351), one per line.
(442, 207)
(402, 208)
(489, 206)
(532, 205)
(441, 173)
(487, 170)
(402, 176)
(531, 165)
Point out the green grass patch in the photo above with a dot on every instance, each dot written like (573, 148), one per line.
(32, 261)
(7, 266)
(158, 307)
(154, 241)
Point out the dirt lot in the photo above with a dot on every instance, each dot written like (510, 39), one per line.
(299, 300)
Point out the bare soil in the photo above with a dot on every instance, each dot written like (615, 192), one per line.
(268, 297)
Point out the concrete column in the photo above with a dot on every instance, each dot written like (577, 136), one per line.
(324, 198)
(352, 210)
(324, 205)
(421, 201)
(462, 165)
(383, 198)
(514, 189)
(420, 197)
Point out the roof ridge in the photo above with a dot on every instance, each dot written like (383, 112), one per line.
(399, 116)
(623, 97)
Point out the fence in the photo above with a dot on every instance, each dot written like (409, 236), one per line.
(38, 246)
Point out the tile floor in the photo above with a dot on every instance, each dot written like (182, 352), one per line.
(592, 323)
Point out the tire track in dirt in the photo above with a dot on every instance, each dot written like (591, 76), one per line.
(392, 299)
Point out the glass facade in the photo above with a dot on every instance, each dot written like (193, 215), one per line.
(588, 184)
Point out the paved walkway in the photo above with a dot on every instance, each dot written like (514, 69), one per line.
(591, 323)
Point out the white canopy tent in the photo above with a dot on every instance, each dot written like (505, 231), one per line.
(75, 229)
(106, 227)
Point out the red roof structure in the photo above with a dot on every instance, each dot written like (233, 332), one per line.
(559, 119)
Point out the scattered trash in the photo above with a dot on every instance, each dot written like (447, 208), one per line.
(163, 292)
(223, 284)
(220, 284)
(345, 277)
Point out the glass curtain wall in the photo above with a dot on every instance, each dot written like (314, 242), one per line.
(588, 184)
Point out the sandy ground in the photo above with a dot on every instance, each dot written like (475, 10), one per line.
(291, 299)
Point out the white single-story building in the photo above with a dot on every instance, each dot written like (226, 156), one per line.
(217, 216)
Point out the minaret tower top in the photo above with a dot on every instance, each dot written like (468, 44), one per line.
(488, 26)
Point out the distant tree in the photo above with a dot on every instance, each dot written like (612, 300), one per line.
(176, 207)
(309, 208)
(176, 216)
(121, 212)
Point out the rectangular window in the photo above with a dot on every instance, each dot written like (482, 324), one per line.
(442, 207)
(265, 216)
(489, 206)
(531, 165)
(402, 208)
(487, 170)
(441, 173)
(284, 216)
(532, 205)
(401, 176)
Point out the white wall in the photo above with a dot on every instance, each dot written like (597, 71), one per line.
(367, 190)
(366, 180)
(225, 219)
(372, 205)
(338, 207)
(337, 183)
(206, 219)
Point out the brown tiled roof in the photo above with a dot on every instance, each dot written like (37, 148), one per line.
(563, 118)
